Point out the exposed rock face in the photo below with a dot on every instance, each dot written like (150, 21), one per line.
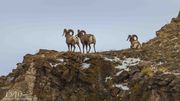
(23, 89)
(151, 73)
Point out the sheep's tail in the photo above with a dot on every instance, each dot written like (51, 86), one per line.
(93, 39)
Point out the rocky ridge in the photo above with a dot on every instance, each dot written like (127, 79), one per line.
(151, 73)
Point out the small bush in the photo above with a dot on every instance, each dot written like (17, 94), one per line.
(162, 69)
(147, 71)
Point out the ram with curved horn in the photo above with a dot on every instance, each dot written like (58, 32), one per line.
(71, 40)
(134, 41)
(87, 40)
(68, 31)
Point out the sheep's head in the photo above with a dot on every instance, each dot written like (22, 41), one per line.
(132, 37)
(79, 33)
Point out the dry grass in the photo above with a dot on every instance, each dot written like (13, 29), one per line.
(147, 71)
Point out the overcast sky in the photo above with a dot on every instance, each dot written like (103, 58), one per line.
(29, 25)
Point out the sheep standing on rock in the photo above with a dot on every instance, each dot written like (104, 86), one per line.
(71, 40)
(87, 40)
(135, 44)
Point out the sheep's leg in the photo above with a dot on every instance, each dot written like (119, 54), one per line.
(86, 48)
(95, 48)
(139, 45)
(71, 47)
(74, 48)
(89, 48)
(79, 48)
(68, 47)
(131, 46)
(83, 48)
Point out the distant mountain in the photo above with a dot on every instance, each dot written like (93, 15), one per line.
(151, 73)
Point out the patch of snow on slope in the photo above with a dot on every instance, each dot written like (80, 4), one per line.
(116, 59)
(128, 62)
(86, 59)
(120, 86)
(54, 65)
(118, 73)
(108, 78)
(60, 60)
(85, 65)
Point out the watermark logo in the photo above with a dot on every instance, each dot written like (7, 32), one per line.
(14, 94)
(18, 96)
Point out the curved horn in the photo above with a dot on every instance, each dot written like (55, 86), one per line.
(78, 30)
(70, 30)
(65, 30)
(83, 31)
(129, 36)
(136, 37)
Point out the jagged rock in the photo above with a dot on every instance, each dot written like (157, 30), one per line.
(135, 69)
(163, 80)
(123, 76)
(66, 75)
(115, 91)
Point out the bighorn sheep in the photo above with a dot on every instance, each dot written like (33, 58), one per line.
(87, 40)
(71, 40)
(134, 41)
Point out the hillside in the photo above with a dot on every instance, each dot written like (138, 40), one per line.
(151, 73)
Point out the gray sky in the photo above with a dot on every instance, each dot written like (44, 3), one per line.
(29, 25)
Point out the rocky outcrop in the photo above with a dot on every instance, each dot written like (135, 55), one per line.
(151, 73)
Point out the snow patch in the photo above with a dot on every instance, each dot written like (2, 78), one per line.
(116, 59)
(60, 60)
(128, 62)
(54, 65)
(118, 73)
(85, 65)
(125, 63)
(108, 78)
(120, 86)
(160, 63)
(177, 74)
(86, 59)
(122, 67)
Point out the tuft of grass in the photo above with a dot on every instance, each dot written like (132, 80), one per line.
(162, 69)
(147, 71)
